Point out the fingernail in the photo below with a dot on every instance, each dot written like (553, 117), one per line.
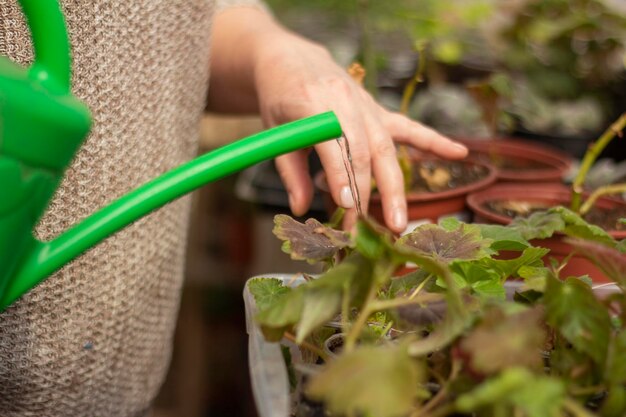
(345, 197)
(459, 146)
(398, 217)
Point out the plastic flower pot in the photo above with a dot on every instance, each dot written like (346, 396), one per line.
(546, 195)
(520, 160)
(427, 206)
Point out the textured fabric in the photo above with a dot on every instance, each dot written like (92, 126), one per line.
(95, 338)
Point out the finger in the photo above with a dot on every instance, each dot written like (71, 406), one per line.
(389, 179)
(407, 131)
(293, 169)
(338, 168)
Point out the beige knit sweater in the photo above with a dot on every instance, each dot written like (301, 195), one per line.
(95, 339)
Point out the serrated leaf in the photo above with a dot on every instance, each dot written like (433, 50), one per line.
(509, 267)
(450, 223)
(572, 309)
(266, 291)
(283, 313)
(464, 243)
(575, 226)
(503, 237)
(501, 341)
(481, 280)
(534, 277)
(317, 301)
(539, 225)
(310, 241)
(611, 261)
(345, 385)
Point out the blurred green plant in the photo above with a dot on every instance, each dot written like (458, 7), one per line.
(562, 59)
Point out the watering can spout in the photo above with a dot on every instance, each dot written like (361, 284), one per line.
(44, 258)
(41, 127)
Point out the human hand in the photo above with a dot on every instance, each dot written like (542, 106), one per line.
(258, 65)
(296, 78)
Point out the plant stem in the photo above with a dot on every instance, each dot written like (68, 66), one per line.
(441, 394)
(576, 409)
(418, 77)
(420, 287)
(345, 308)
(407, 95)
(590, 157)
(381, 275)
(379, 305)
(599, 192)
(319, 352)
(361, 320)
(367, 49)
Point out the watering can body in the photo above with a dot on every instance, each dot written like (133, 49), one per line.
(41, 128)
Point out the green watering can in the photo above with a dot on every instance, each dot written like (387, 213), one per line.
(41, 128)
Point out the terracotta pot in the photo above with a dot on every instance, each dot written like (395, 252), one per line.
(521, 160)
(425, 207)
(550, 195)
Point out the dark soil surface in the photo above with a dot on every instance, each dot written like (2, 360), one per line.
(438, 175)
(520, 163)
(608, 219)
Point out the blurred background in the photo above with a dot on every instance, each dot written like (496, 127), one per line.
(548, 70)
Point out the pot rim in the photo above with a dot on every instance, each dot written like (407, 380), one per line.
(558, 162)
(549, 192)
(414, 197)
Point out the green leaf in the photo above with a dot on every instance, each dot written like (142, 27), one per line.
(575, 226)
(322, 297)
(450, 223)
(621, 246)
(266, 291)
(501, 341)
(539, 225)
(516, 388)
(405, 284)
(315, 302)
(282, 314)
(345, 385)
(530, 257)
(320, 306)
(503, 237)
(310, 241)
(615, 371)
(534, 277)
(446, 246)
(611, 261)
(481, 280)
(572, 308)
(372, 240)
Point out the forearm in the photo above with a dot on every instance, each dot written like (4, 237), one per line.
(239, 34)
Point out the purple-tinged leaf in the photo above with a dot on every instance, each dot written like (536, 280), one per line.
(310, 241)
(346, 384)
(464, 243)
(611, 261)
(502, 341)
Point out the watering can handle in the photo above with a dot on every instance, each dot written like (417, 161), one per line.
(52, 66)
